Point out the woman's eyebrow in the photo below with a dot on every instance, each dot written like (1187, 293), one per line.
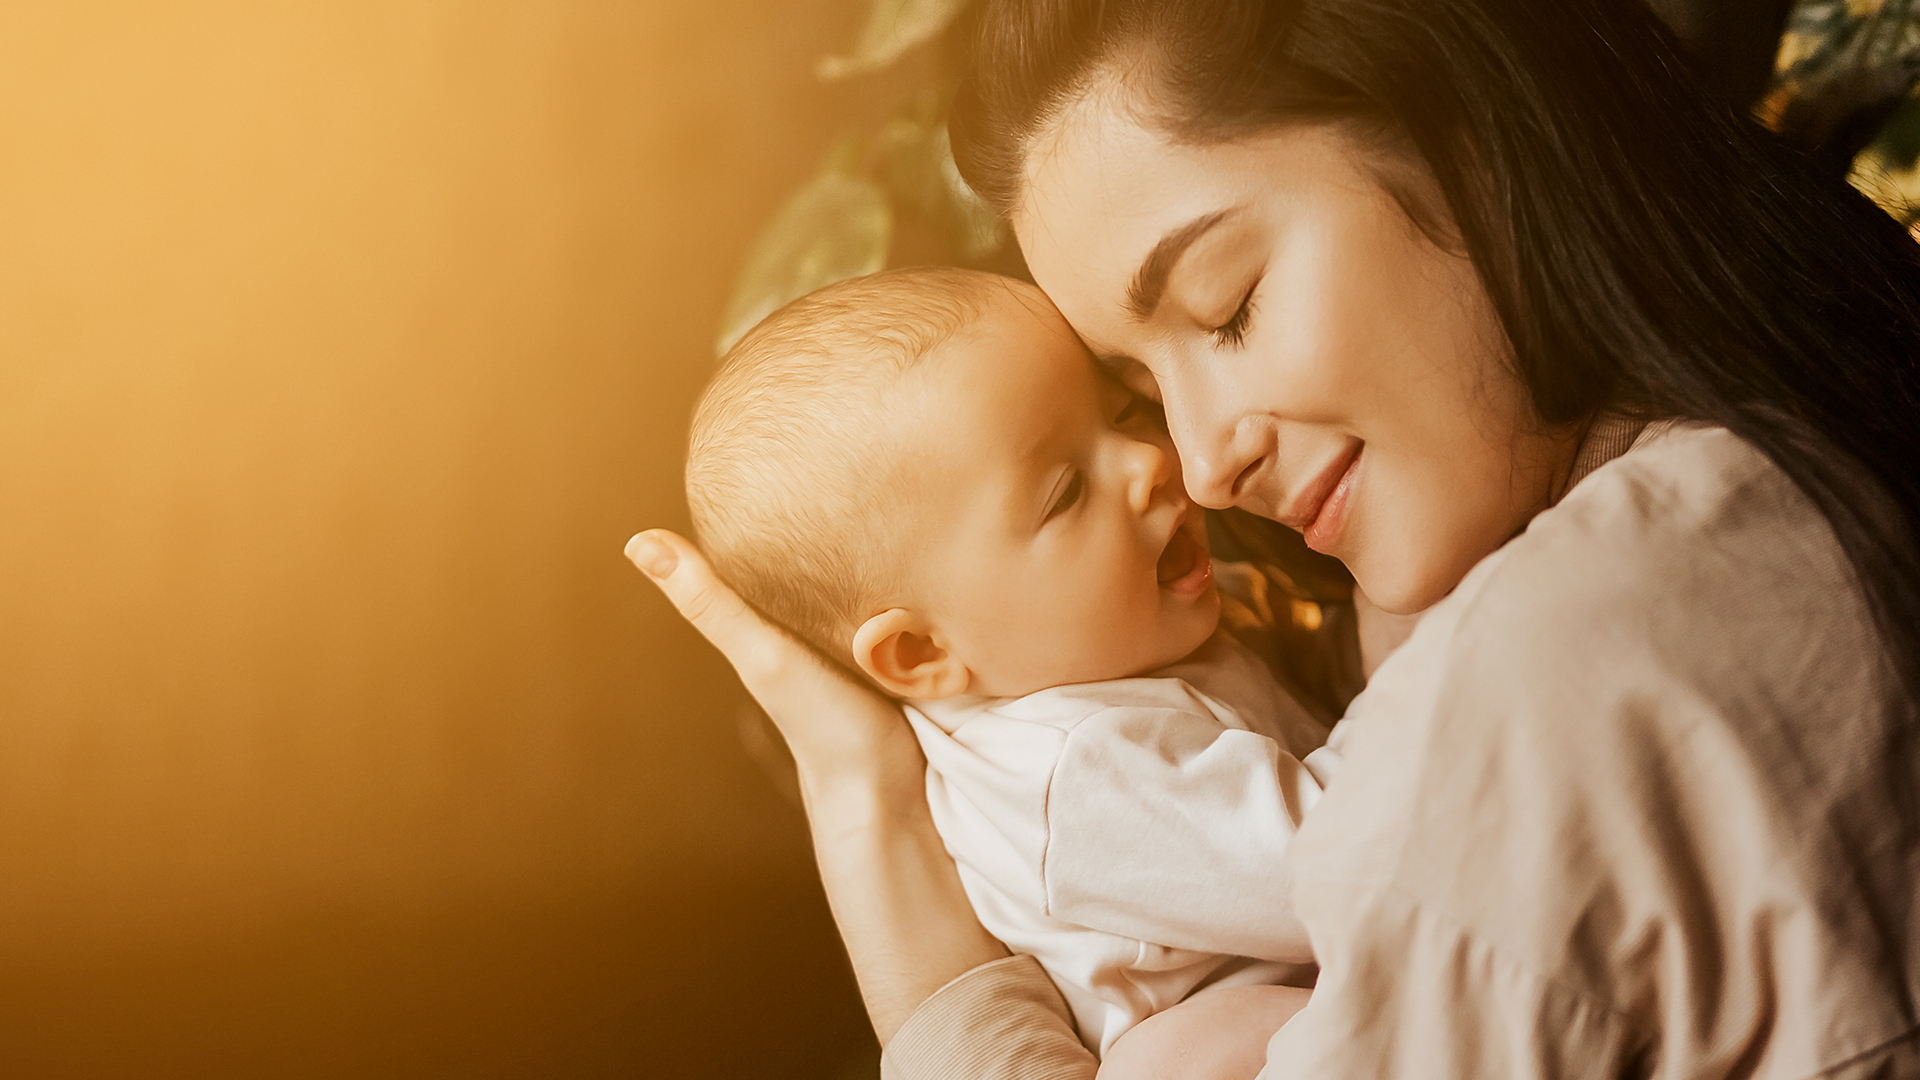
(1144, 292)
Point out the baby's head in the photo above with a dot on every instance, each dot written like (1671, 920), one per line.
(922, 473)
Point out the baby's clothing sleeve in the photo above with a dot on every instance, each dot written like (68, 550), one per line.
(1131, 835)
(1167, 826)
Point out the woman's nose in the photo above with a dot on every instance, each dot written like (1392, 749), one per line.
(1218, 458)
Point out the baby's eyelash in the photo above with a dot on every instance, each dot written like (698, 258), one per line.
(1069, 496)
(1233, 333)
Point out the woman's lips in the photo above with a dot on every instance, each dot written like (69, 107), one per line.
(1330, 519)
(1184, 566)
(1310, 506)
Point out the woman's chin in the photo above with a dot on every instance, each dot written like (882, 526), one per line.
(1403, 593)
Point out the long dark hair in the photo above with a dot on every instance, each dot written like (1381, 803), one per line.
(1647, 249)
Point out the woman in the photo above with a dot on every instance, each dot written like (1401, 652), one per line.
(1487, 299)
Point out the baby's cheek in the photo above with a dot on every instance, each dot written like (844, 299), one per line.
(1127, 625)
(1071, 638)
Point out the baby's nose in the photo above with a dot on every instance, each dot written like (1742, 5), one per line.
(1152, 467)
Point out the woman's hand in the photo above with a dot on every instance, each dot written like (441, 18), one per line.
(836, 725)
(892, 885)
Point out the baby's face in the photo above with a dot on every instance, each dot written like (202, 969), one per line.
(1059, 545)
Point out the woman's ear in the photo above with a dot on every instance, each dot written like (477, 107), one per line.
(898, 650)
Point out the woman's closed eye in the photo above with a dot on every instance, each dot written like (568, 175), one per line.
(1232, 333)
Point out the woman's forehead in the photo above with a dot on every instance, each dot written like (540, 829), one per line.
(1105, 192)
(1097, 188)
(1089, 150)
(1103, 201)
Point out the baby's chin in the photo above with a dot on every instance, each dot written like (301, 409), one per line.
(1205, 621)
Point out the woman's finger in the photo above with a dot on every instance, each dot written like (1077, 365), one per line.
(714, 609)
(823, 712)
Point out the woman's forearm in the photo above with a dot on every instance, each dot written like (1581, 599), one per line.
(913, 937)
(894, 889)
(892, 885)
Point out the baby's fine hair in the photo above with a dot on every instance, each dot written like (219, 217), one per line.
(790, 470)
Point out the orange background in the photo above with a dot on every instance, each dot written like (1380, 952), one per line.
(342, 345)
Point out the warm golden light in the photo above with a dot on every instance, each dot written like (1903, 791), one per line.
(342, 346)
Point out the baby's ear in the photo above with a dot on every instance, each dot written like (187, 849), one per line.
(899, 650)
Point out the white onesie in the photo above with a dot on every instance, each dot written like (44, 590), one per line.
(1130, 834)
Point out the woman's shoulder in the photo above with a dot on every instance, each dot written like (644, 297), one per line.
(1688, 533)
(1700, 470)
(1681, 490)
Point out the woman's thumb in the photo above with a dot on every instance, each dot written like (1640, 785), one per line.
(702, 598)
(652, 554)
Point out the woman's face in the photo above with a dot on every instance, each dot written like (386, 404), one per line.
(1321, 361)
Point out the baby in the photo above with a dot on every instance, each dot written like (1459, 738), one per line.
(923, 474)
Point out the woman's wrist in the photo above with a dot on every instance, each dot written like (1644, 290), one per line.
(895, 894)
(884, 769)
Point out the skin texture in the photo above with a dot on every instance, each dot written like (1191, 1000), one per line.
(1321, 360)
(1047, 505)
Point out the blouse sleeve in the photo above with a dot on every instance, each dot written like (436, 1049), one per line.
(1001, 1021)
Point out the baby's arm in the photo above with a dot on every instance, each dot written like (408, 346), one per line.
(1217, 1034)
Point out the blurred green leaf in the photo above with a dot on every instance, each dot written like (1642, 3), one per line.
(1898, 144)
(1842, 92)
(892, 28)
(836, 227)
(1816, 32)
(922, 176)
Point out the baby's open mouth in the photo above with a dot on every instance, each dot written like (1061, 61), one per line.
(1184, 565)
